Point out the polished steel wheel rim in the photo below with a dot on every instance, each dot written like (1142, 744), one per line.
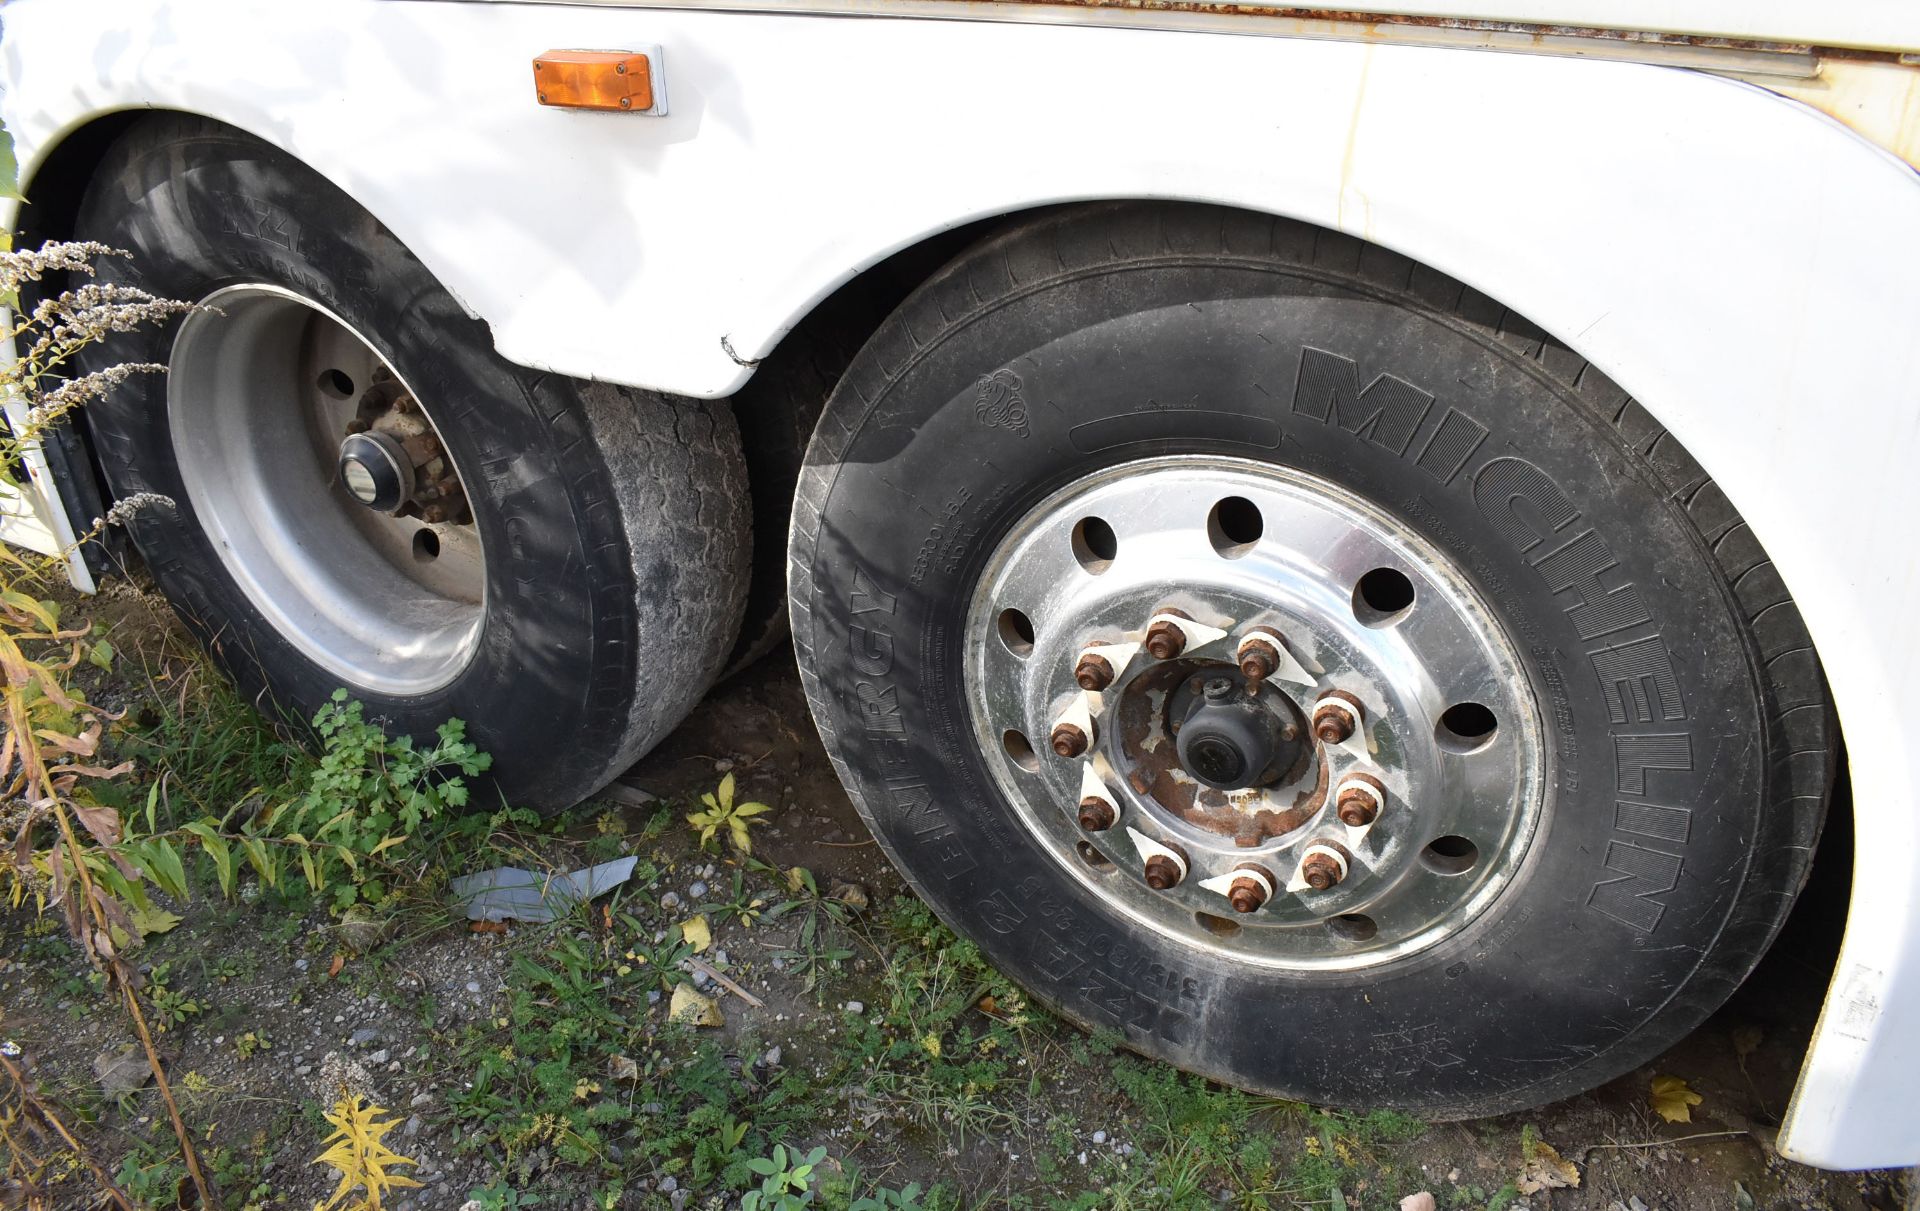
(1283, 610)
(264, 387)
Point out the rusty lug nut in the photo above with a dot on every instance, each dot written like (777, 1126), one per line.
(1096, 814)
(403, 404)
(1094, 672)
(1068, 740)
(1165, 640)
(1163, 873)
(1356, 809)
(1321, 871)
(356, 425)
(1331, 725)
(434, 514)
(1257, 661)
(1246, 895)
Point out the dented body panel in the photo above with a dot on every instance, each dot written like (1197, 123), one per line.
(1746, 266)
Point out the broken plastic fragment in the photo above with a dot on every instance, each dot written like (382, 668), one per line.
(509, 891)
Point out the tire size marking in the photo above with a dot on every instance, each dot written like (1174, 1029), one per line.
(910, 799)
(257, 219)
(1644, 859)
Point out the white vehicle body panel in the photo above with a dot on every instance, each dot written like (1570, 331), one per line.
(1746, 267)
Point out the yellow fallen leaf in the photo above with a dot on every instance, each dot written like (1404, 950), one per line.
(1671, 1099)
(151, 920)
(1546, 1169)
(695, 1010)
(695, 931)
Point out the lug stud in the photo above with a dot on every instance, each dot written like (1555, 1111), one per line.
(1094, 672)
(1251, 887)
(1163, 873)
(1069, 740)
(1321, 871)
(1257, 659)
(1359, 800)
(1336, 716)
(1096, 814)
(1165, 640)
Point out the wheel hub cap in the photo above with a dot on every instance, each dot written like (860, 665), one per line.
(1254, 712)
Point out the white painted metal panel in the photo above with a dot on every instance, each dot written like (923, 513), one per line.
(1747, 268)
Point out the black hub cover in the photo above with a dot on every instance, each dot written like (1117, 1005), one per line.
(1230, 740)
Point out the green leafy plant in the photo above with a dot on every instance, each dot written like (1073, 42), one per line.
(171, 1006)
(907, 1198)
(501, 1197)
(786, 1180)
(723, 813)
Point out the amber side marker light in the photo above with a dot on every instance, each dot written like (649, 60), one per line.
(618, 80)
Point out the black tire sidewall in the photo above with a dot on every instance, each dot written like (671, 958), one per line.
(199, 211)
(1563, 982)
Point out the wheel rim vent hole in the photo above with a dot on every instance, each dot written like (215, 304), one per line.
(1016, 632)
(1094, 858)
(335, 384)
(1353, 927)
(1465, 727)
(1020, 751)
(1219, 927)
(1382, 597)
(1094, 544)
(426, 546)
(1234, 526)
(1450, 855)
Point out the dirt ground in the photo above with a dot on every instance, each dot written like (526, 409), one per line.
(1073, 1124)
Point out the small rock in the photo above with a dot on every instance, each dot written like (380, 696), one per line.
(720, 959)
(855, 1007)
(412, 1128)
(121, 1071)
(362, 930)
(1083, 1158)
(1099, 1137)
(299, 964)
(653, 1108)
(421, 1099)
(1634, 1204)
(653, 996)
(1453, 1175)
(303, 1070)
(772, 1058)
(852, 895)
(719, 767)
(697, 890)
(1422, 1201)
(669, 1184)
(670, 901)
(362, 1037)
(378, 1057)
(473, 986)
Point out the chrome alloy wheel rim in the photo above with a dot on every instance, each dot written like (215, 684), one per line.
(263, 388)
(1306, 611)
